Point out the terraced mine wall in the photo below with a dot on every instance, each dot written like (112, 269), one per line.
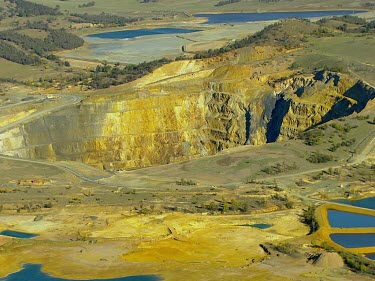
(126, 133)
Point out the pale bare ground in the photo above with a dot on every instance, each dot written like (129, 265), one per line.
(153, 47)
(202, 46)
(175, 246)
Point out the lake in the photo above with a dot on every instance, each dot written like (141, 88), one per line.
(351, 240)
(129, 34)
(252, 17)
(371, 256)
(138, 45)
(33, 272)
(17, 234)
(349, 220)
(368, 203)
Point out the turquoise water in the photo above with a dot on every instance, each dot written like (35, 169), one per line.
(368, 203)
(349, 220)
(128, 34)
(261, 225)
(251, 17)
(17, 234)
(351, 240)
(32, 272)
(258, 225)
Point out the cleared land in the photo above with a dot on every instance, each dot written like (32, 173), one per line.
(191, 220)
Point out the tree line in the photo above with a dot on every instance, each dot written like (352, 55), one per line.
(103, 18)
(226, 2)
(57, 39)
(11, 53)
(28, 9)
(105, 75)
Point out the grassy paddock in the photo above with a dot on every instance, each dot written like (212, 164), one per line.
(192, 6)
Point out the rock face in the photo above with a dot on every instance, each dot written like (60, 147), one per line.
(120, 132)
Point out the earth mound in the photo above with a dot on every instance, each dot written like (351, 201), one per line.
(329, 260)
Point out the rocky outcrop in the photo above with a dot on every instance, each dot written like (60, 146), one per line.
(130, 131)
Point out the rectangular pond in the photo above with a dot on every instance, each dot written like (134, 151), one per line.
(368, 203)
(17, 234)
(252, 17)
(340, 219)
(351, 240)
(32, 272)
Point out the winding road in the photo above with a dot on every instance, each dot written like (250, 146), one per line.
(71, 100)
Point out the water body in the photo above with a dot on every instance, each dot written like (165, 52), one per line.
(252, 17)
(261, 225)
(128, 34)
(17, 234)
(349, 220)
(351, 240)
(32, 272)
(368, 203)
(371, 256)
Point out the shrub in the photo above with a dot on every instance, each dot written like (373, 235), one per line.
(186, 182)
(312, 137)
(318, 157)
(308, 218)
(279, 168)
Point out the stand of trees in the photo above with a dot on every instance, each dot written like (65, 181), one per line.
(106, 75)
(28, 9)
(57, 39)
(226, 2)
(102, 18)
(11, 53)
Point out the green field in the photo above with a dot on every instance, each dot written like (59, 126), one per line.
(193, 6)
(338, 52)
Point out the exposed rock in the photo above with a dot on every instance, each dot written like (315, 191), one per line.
(171, 124)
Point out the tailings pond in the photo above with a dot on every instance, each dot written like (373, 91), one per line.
(368, 203)
(349, 220)
(32, 272)
(139, 45)
(251, 17)
(354, 240)
(128, 34)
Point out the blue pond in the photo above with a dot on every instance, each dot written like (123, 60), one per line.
(368, 203)
(261, 225)
(17, 234)
(349, 220)
(32, 272)
(128, 34)
(251, 17)
(371, 256)
(351, 240)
